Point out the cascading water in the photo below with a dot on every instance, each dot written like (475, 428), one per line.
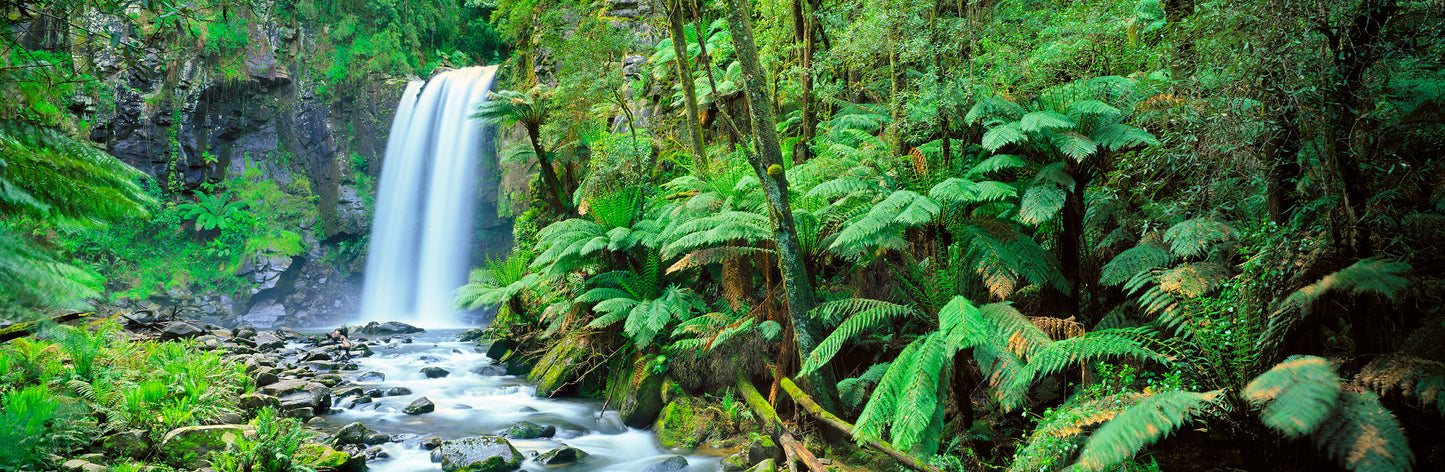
(422, 230)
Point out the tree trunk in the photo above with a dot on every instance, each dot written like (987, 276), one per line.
(767, 163)
(689, 90)
(1281, 153)
(803, 32)
(549, 175)
(1071, 240)
(1354, 53)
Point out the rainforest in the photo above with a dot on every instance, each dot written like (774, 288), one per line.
(722, 235)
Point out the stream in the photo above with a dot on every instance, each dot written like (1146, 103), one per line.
(472, 400)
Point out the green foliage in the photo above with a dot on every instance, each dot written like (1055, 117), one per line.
(212, 211)
(862, 315)
(1298, 395)
(273, 448)
(34, 422)
(1363, 436)
(1142, 424)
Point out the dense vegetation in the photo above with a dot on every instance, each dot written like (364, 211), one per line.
(1126, 220)
(1022, 235)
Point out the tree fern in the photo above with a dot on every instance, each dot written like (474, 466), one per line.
(902, 209)
(1045, 196)
(1143, 424)
(996, 163)
(1298, 395)
(1001, 254)
(1062, 431)
(1192, 279)
(1377, 275)
(854, 390)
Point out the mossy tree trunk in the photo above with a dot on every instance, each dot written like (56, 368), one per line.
(689, 90)
(767, 163)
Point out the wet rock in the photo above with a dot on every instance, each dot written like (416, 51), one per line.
(671, 464)
(230, 417)
(371, 377)
(81, 465)
(354, 433)
(637, 388)
(429, 442)
(343, 392)
(316, 356)
(435, 372)
(561, 455)
(374, 393)
(419, 406)
(429, 359)
(390, 327)
(472, 335)
(500, 349)
(764, 448)
(611, 423)
(479, 454)
(356, 402)
(180, 330)
(287, 333)
(135, 444)
(463, 406)
(269, 341)
(188, 447)
(396, 391)
(561, 365)
(489, 370)
(296, 394)
(683, 423)
(376, 438)
(329, 380)
(530, 430)
(375, 452)
(301, 413)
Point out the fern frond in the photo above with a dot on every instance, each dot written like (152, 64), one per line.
(1298, 395)
(1143, 424)
(1364, 437)
(866, 315)
(1149, 254)
(1045, 196)
(1192, 237)
(1055, 440)
(1040, 121)
(1193, 279)
(996, 163)
(716, 255)
(1415, 377)
(1376, 275)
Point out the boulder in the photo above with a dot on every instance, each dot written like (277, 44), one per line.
(489, 370)
(180, 330)
(435, 372)
(81, 465)
(561, 455)
(376, 438)
(188, 447)
(255, 402)
(296, 394)
(682, 424)
(325, 459)
(500, 349)
(734, 463)
(266, 377)
(479, 454)
(395, 391)
(329, 380)
(637, 388)
(269, 341)
(135, 444)
(354, 433)
(371, 377)
(671, 464)
(390, 327)
(530, 430)
(472, 335)
(419, 406)
(764, 448)
(561, 365)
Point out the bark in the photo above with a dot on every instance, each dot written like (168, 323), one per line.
(1281, 152)
(549, 175)
(1355, 52)
(689, 89)
(20, 330)
(793, 449)
(1071, 240)
(767, 163)
(803, 32)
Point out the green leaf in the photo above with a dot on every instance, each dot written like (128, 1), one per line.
(1040, 121)
(1298, 395)
(1003, 135)
(1142, 425)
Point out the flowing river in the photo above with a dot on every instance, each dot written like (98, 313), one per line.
(473, 400)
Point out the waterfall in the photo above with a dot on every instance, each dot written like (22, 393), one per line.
(421, 235)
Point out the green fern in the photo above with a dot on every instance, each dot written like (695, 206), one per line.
(1363, 436)
(1143, 424)
(1298, 395)
(854, 391)
(1045, 196)
(1061, 432)
(1192, 237)
(1002, 254)
(1376, 275)
(883, 224)
(862, 314)
(1148, 255)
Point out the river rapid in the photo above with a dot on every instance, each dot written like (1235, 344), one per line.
(474, 400)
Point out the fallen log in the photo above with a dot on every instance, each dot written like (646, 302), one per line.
(20, 330)
(820, 414)
(792, 448)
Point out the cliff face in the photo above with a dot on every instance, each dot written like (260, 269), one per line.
(180, 118)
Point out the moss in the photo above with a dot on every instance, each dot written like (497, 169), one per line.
(559, 368)
(187, 447)
(318, 456)
(682, 424)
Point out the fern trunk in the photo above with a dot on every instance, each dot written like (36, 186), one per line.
(767, 163)
(689, 89)
(549, 175)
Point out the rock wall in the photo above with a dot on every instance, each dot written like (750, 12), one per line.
(177, 116)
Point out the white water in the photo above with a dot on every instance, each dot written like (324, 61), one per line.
(471, 404)
(421, 235)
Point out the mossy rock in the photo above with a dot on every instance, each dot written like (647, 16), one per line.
(479, 454)
(636, 387)
(325, 459)
(767, 465)
(560, 367)
(188, 447)
(683, 423)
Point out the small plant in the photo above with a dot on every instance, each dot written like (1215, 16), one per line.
(272, 449)
(213, 211)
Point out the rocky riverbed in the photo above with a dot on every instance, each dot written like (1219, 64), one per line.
(403, 399)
